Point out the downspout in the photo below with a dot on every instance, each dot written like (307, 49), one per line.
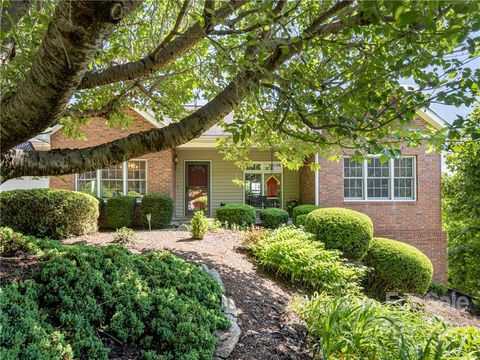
(317, 184)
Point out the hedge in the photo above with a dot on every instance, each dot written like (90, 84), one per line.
(120, 211)
(301, 220)
(397, 267)
(343, 229)
(236, 214)
(302, 210)
(52, 213)
(272, 218)
(161, 208)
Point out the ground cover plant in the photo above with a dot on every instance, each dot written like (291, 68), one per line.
(356, 327)
(297, 256)
(79, 295)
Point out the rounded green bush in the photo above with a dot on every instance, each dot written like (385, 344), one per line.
(302, 210)
(397, 267)
(120, 211)
(342, 229)
(161, 208)
(301, 220)
(49, 212)
(236, 214)
(272, 218)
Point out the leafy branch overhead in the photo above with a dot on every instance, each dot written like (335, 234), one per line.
(301, 76)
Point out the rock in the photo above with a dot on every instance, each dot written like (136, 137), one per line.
(183, 227)
(227, 339)
(214, 273)
(228, 306)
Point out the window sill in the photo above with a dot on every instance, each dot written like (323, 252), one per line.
(380, 202)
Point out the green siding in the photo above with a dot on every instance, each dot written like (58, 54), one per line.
(223, 190)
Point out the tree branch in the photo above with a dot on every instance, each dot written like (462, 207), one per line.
(73, 35)
(159, 57)
(64, 161)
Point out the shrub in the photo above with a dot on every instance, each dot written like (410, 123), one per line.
(161, 208)
(301, 220)
(49, 212)
(123, 236)
(302, 210)
(397, 267)
(272, 218)
(292, 252)
(291, 204)
(343, 229)
(438, 288)
(199, 225)
(251, 236)
(120, 211)
(13, 243)
(164, 306)
(236, 214)
(355, 327)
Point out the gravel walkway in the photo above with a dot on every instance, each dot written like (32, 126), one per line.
(269, 330)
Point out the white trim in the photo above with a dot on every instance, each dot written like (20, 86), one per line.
(264, 172)
(317, 181)
(150, 117)
(210, 180)
(432, 118)
(124, 178)
(391, 182)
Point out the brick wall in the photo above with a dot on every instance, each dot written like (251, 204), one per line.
(160, 165)
(415, 222)
(307, 183)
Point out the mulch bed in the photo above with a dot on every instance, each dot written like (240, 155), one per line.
(270, 330)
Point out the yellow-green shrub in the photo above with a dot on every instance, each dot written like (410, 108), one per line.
(397, 267)
(302, 210)
(49, 212)
(343, 229)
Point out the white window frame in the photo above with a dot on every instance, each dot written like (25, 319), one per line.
(264, 172)
(124, 178)
(391, 197)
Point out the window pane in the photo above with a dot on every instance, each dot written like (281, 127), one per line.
(378, 182)
(87, 182)
(274, 166)
(254, 167)
(404, 181)
(377, 169)
(112, 181)
(136, 180)
(353, 179)
(352, 168)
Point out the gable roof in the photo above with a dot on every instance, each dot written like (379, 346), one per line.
(432, 118)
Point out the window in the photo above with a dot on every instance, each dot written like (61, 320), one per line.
(87, 183)
(127, 178)
(353, 179)
(137, 181)
(372, 180)
(263, 185)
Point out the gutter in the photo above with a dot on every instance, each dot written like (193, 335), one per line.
(317, 183)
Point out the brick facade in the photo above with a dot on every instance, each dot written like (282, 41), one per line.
(415, 222)
(160, 165)
(307, 183)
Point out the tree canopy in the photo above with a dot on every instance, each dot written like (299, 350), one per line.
(301, 77)
(461, 207)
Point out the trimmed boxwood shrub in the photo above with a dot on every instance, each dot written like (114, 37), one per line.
(120, 211)
(397, 267)
(302, 210)
(343, 229)
(49, 212)
(301, 220)
(161, 208)
(238, 214)
(272, 218)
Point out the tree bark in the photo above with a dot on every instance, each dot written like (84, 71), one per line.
(65, 161)
(74, 34)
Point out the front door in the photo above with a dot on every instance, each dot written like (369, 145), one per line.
(197, 184)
